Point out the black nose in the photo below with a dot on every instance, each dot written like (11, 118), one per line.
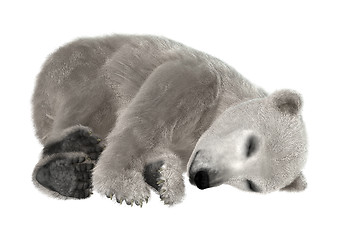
(201, 179)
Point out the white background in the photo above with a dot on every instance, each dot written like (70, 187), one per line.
(275, 44)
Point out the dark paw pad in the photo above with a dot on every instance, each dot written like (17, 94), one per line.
(70, 177)
(80, 140)
(151, 174)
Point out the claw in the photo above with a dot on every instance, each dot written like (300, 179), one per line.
(146, 200)
(98, 139)
(160, 182)
(111, 196)
(162, 191)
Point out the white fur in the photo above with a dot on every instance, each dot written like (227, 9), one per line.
(280, 142)
(152, 99)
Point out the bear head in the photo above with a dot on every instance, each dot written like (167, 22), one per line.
(258, 145)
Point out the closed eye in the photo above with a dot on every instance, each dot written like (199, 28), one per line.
(251, 146)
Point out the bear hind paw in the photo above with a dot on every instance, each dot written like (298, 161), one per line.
(77, 139)
(68, 176)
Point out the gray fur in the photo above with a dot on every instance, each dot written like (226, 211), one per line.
(151, 99)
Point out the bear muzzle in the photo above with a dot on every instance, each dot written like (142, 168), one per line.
(199, 175)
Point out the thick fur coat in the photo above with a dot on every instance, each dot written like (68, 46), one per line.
(127, 113)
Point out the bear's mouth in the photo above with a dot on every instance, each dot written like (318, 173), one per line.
(252, 186)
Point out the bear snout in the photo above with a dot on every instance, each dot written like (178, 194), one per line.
(200, 171)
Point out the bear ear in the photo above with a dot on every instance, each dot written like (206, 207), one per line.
(287, 101)
(299, 184)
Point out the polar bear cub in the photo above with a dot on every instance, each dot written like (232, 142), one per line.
(124, 114)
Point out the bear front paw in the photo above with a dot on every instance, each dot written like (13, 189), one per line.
(127, 185)
(171, 185)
